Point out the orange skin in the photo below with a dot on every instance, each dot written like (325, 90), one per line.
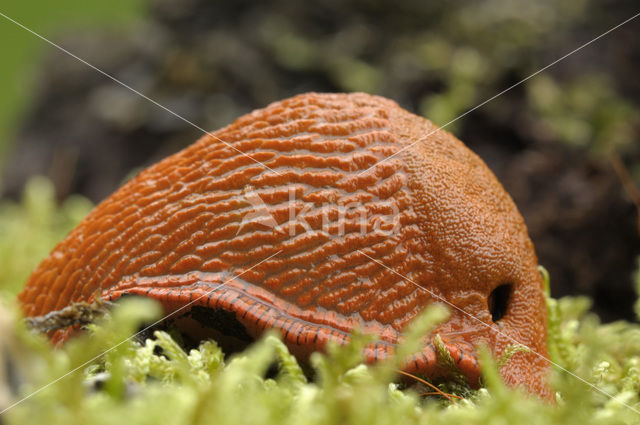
(176, 232)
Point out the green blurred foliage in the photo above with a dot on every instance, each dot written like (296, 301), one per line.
(30, 229)
(586, 112)
(21, 50)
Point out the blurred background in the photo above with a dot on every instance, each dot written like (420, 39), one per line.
(565, 144)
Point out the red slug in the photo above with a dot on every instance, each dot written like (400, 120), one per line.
(360, 242)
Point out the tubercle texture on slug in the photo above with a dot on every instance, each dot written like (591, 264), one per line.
(178, 230)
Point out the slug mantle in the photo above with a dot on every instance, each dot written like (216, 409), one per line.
(431, 218)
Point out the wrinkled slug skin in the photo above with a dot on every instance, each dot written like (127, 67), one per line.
(434, 213)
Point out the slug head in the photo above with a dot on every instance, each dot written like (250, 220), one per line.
(479, 257)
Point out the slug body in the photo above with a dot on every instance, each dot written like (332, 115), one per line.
(356, 246)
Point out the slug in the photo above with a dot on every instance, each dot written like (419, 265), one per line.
(316, 215)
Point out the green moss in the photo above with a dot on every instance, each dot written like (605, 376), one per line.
(133, 383)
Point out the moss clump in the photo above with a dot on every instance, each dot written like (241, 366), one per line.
(155, 380)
